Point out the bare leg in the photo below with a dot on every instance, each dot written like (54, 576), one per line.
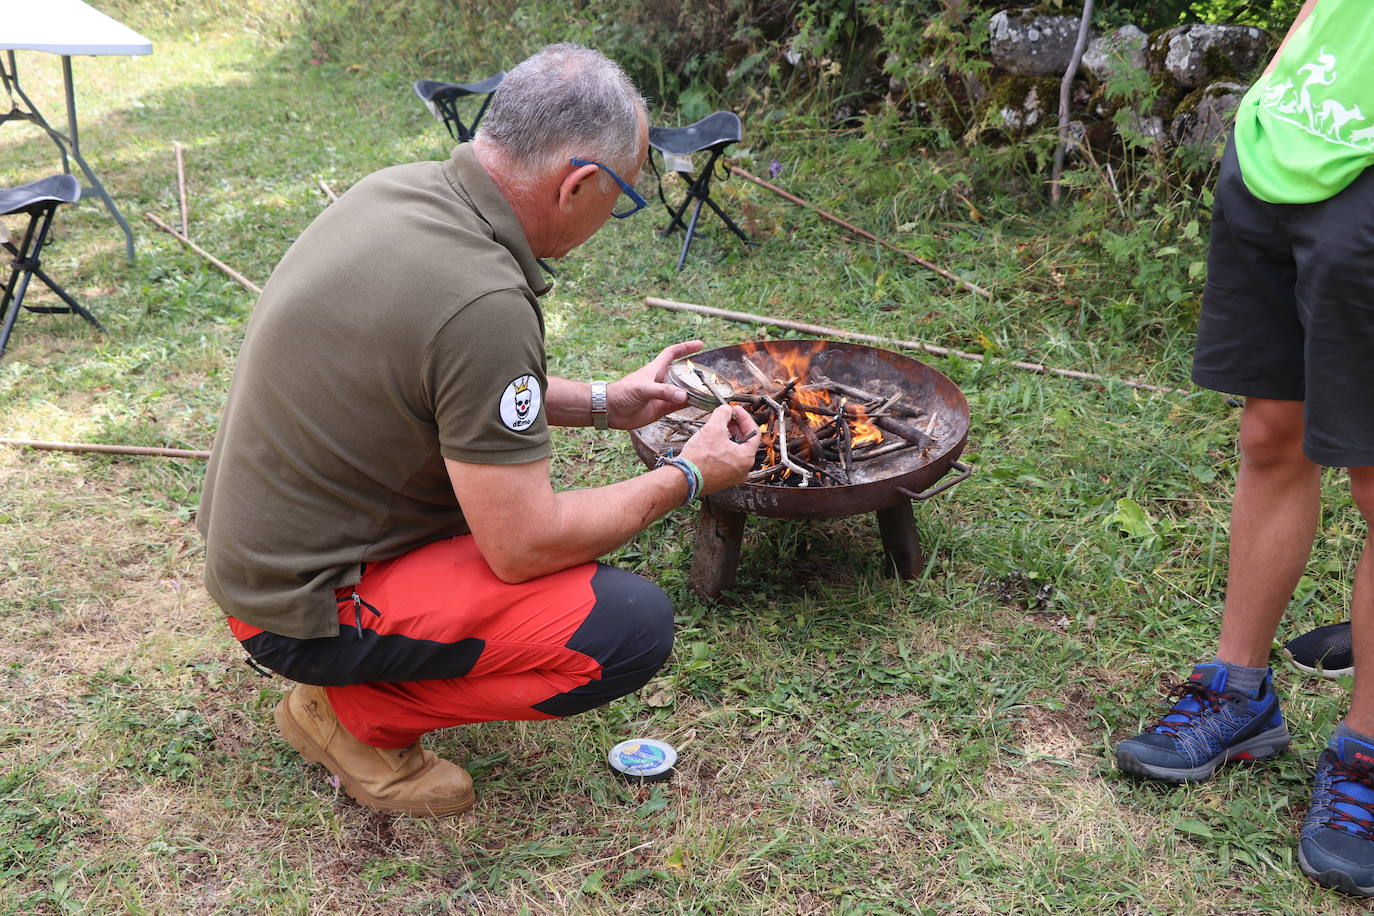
(1361, 717)
(1273, 521)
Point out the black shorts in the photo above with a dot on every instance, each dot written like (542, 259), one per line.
(1288, 310)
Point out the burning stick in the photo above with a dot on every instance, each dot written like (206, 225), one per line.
(902, 431)
(846, 445)
(782, 441)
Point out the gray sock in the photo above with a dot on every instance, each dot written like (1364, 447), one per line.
(1345, 731)
(1242, 679)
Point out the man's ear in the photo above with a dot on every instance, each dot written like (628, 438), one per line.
(572, 183)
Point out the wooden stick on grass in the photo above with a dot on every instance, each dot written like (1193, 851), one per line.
(107, 449)
(861, 232)
(181, 191)
(822, 331)
(328, 191)
(233, 274)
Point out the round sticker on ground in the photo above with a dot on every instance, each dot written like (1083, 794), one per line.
(644, 759)
(520, 403)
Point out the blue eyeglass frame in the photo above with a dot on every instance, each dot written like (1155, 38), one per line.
(639, 202)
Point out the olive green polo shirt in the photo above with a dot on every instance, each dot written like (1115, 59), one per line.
(400, 329)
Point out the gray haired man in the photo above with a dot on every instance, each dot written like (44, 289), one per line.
(379, 517)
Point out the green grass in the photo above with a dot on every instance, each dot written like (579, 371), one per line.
(850, 743)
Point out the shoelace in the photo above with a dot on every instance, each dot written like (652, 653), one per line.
(1207, 701)
(1362, 774)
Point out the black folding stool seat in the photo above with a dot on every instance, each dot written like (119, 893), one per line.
(442, 101)
(714, 132)
(40, 201)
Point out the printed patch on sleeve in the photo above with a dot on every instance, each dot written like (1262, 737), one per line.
(520, 403)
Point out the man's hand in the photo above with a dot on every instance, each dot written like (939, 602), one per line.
(642, 397)
(724, 449)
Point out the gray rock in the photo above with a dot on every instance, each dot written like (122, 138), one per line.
(1208, 121)
(1026, 114)
(1122, 51)
(1195, 55)
(1149, 127)
(1028, 44)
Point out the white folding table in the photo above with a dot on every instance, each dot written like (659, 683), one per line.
(66, 28)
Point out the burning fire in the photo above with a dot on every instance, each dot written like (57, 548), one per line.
(790, 371)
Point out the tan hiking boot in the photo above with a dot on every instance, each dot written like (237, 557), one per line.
(410, 779)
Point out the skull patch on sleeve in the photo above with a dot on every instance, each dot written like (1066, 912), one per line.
(520, 403)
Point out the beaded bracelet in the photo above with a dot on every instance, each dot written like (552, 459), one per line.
(689, 470)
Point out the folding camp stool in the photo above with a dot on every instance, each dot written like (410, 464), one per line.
(714, 132)
(442, 101)
(40, 201)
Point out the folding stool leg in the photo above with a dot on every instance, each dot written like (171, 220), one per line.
(72, 305)
(691, 231)
(11, 302)
(728, 221)
(676, 222)
(18, 282)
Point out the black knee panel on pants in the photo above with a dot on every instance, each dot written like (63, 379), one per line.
(629, 631)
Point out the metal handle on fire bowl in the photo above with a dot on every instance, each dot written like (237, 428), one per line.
(963, 469)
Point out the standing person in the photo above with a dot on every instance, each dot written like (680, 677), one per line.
(1288, 322)
(379, 518)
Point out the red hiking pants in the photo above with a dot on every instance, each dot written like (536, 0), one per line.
(433, 638)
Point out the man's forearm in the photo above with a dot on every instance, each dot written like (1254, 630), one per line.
(568, 403)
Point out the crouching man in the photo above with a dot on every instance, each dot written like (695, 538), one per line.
(379, 519)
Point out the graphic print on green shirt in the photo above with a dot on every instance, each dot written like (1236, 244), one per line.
(1306, 130)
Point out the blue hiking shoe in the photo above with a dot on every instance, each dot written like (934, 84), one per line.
(1205, 728)
(1336, 846)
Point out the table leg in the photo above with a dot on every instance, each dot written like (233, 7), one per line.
(10, 79)
(901, 541)
(96, 186)
(715, 550)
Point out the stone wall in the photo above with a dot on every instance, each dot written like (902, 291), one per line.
(1176, 86)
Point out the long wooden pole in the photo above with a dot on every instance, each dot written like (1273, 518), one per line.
(181, 191)
(823, 331)
(107, 449)
(972, 287)
(233, 274)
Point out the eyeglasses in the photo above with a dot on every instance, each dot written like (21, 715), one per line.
(639, 202)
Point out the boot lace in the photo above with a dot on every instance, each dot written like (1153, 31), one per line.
(1344, 806)
(1204, 701)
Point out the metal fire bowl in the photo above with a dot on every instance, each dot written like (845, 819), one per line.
(878, 484)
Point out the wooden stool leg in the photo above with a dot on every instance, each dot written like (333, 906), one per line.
(715, 551)
(901, 541)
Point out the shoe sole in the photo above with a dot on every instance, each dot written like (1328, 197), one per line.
(1261, 747)
(298, 738)
(1333, 878)
(1332, 673)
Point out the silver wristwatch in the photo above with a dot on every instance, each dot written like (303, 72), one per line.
(601, 417)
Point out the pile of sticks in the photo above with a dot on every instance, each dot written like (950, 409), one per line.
(815, 430)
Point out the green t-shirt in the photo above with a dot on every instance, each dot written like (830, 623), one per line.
(400, 329)
(1306, 130)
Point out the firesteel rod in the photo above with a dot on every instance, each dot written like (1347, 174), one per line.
(861, 232)
(822, 331)
(108, 449)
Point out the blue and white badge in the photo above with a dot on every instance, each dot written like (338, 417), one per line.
(520, 403)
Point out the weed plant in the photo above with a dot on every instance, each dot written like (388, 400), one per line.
(849, 743)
